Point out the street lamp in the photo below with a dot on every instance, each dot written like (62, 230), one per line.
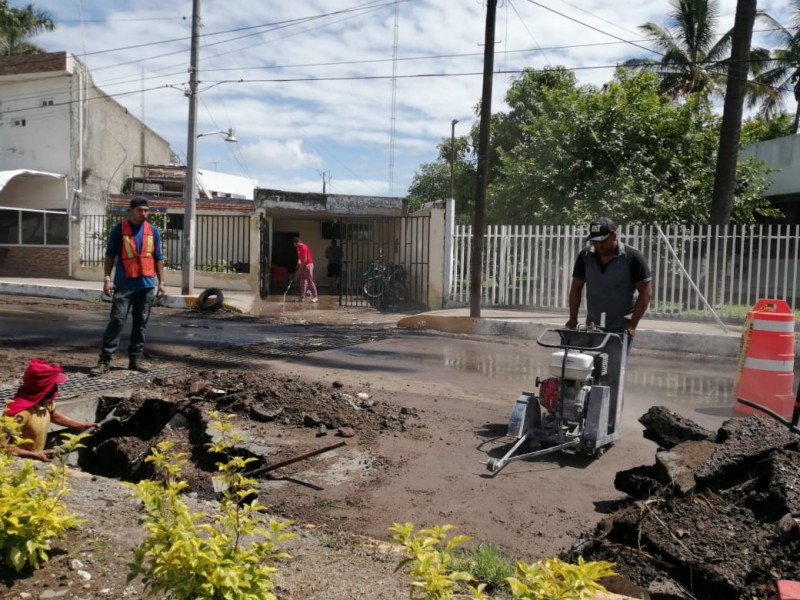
(230, 136)
(452, 157)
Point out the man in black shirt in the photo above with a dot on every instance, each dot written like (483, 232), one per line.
(617, 280)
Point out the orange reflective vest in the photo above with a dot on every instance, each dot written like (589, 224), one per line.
(135, 263)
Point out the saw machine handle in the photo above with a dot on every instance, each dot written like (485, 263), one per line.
(566, 333)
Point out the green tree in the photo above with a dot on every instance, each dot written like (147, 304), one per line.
(758, 129)
(693, 59)
(625, 150)
(18, 25)
(781, 73)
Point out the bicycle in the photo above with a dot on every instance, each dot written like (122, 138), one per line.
(385, 285)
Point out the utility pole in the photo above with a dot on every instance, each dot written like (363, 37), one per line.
(325, 178)
(479, 223)
(190, 182)
(453, 158)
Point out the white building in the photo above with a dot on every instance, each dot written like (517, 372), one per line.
(54, 119)
(64, 145)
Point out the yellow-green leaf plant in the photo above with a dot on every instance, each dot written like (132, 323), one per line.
(194, 556)
(32, 512)
(429, 559)
(552, 579)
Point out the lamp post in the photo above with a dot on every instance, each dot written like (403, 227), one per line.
(452, 157)
(190, 217)
(190, 182)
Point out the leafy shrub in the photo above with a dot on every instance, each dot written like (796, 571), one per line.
(193, 557)
(440, 572)
(553, 579)
(32, 513)
(431, 563)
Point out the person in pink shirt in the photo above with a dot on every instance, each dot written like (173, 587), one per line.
(305, 270)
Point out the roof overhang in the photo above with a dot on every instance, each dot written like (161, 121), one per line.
(26, 188)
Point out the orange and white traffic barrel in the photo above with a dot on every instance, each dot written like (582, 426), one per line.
(766, 359)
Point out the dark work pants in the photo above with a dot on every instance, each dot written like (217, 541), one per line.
(138, 303)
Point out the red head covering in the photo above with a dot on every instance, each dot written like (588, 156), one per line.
(39, 379)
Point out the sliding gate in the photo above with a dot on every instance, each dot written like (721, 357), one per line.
(385, 262)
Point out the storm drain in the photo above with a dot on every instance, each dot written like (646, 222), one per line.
(217, 356)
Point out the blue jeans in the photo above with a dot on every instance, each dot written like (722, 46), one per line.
(138, 303)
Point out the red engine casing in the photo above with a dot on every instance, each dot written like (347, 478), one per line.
(549, 393)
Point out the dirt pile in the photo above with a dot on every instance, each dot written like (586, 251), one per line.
(716, 516)
(278, 417)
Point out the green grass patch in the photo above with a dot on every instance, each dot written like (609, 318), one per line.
(487, 564)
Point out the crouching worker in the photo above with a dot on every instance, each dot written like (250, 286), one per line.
(34, 408)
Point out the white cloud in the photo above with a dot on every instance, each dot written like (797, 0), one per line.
(309, 94)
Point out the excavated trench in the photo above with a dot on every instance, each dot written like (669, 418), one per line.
(278, 418)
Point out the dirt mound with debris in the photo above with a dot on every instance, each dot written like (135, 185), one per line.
(716, 516)
(279, 419)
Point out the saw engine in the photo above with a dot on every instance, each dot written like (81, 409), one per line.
(565, 392)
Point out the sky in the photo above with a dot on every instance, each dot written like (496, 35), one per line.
(347, 96)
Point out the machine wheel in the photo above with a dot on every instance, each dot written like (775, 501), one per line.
(602, 450)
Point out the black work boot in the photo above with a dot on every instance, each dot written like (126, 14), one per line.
(137, 364)
(103, 367)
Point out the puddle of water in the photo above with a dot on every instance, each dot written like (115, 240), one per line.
(702, 388)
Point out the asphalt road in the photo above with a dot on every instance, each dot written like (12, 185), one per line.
(462, 389)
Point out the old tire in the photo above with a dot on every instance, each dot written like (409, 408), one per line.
(210, 299)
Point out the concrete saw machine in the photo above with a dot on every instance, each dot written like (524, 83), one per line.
(578, 408)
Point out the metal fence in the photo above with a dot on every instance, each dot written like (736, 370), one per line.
(222, 242)
(700, 272)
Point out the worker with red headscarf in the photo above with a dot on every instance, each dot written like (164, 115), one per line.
(34, 408)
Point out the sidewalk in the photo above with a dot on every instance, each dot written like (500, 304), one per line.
(707, 338)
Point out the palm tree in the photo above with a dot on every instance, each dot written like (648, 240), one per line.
(781, 72)
(692, 60)
(19, 24)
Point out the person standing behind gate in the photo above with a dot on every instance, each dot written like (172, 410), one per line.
(334, 255)
(134, 245)
(305, 270)
(617, 279)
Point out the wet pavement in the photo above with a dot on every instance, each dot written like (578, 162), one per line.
(699, 337)
(325, 334)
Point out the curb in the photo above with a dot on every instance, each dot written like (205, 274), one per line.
(646, 339)
(93, 295)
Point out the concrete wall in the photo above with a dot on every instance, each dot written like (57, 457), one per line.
(782, 154)
(115, 142)
(436, 278)
(43, 142)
